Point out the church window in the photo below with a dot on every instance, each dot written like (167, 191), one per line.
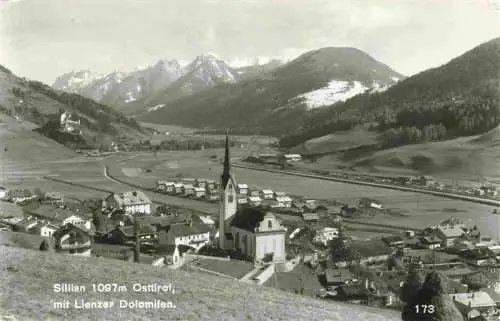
(269, 224)
(230, 198)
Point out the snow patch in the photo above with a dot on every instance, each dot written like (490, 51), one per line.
(156, 107)
(396, 79)
(335, 91)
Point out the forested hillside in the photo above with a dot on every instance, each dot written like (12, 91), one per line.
(460, 98)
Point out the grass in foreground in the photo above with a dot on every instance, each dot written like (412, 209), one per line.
(29, 276)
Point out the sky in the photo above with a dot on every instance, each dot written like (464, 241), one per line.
(42, 39)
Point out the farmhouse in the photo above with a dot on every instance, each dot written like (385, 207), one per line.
(310, 217)
(178, 188)
(242, 199)
(243, 189)
(53, 198)
(254, 200)
(431, 242)
(393, 241)
(284, 201)
(199, 192)
(480, 301)
(188, 190)
(188, 181)
(125, 235)
(370, 203)
(448, 234)
(73, 240)
(19, 195)
(207, 220)
(211, 185)
(324, 235)
(479, 256)
(58, 216)
(44, 229)
(201, 182)
(267, 194)
(190, 233)
(292, 157)
(25, 225)
(165, 186)
(130, 202)
(254, 193)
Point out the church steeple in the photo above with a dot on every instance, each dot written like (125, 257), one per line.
(226, 172)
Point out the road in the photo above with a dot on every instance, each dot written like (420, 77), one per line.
(377, 185)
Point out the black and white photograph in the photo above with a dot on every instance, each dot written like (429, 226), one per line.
(282, 160)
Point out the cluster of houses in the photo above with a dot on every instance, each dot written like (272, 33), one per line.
(69, 123)
(209, 190)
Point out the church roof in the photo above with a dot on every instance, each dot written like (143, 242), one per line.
(226, 173)
(248, 218)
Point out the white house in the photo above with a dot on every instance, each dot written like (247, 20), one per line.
(255, 200)
(190, 233)
(58, 216)
(199, 192)
(242, 199)
(165, 186)
(3, 193)
(293, 157)
(277, 195)
(448, 234)
(130, 202)
(284, 201)
(267, 194)
(44, 229)
(178, 188)
(326, 234)
(201, 182)
(242, 189)
(207, 220)
(188, 190)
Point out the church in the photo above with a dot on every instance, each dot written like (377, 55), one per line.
(251, 231)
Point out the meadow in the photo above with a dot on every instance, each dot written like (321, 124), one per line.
(29, 278)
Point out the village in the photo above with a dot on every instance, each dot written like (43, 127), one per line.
(263, 237)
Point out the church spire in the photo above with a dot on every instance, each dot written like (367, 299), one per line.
(226, 172)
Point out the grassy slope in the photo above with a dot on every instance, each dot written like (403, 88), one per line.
(28, 279)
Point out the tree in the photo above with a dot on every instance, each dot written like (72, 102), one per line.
(411, 286)
(431, 302)
(45, 246)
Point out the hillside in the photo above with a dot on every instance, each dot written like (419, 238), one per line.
(460, 98)
(277, 101)
(26, 274)
(35, 102)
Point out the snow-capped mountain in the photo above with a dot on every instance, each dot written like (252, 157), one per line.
(165, 80)
(75, 81)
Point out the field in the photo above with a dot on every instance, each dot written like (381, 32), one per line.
(29, 278)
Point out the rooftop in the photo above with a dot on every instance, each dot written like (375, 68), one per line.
(131, 198)
(248, 218)
(476, 299)
(450, 232)
(50, 212)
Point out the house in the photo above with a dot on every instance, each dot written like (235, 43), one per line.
(393, 241)
(19, 195)
(284, 201)
(58, 216)
(337, 277)
(490, 191)
(242, 189)
(324, 235)
(311, 205)
(199, 192)
(201, 182)
(178, 188)
(3, 193)
(480, 301)
(457, 274)
(194, 234)
(188, 190)
(211, 185)
(452, 222)
(277, 195)
(170, 253)
(212, 195)
(254, 200)
(207, 220)
(448, 234)
(73, 240)
(365, 252)
(495, 249)
(44, 229)
(130, 202)
(424, 181)
(242, 199)
(409, 233)
(495, 295)
(431, 242)
(188, 181)
(481, 256)
(310, 217)
(165, 186)
(54, 198)
(267, 194)
(125, 235)
(254, 193)
(370, 203)
(293, 157)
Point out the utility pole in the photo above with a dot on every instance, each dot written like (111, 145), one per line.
(137, 251)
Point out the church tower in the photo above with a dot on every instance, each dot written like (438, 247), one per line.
(228, 199)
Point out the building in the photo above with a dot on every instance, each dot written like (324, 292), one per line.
(194, 234)
(207, 220)
(310, 217)
(44, 229)
(125, 235)
(3, 193)
(466, 302)
(165, 186)
(284, 201)
(170, 253)
(481, 256)
(188, 190)
(201, 182)
(337, 277)
(58, 216)
(211, 185)
(25, 225)
(54, 198)
(73, 240)
(343, 252)
(254, 201)
(324, 235)
(293, 157)
(370, 203)
(254, 233)
(188, 181)
(199, 192)
(448, 234)
(242, 199)
(254, 193)
(430, 242)
(178, 188)
(68, 123)
(393, 241)
(267, 194)
(131, 202)
(243, 189)
(277, 195)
